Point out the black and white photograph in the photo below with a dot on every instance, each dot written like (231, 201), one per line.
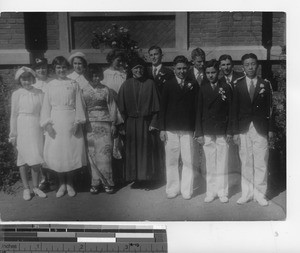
(134, 116)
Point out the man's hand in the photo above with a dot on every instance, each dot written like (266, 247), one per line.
(151, 128)
(50, 130)
(163, 136)
(200, 140)
(236, 140)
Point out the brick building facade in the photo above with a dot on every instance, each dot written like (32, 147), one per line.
(26, 35)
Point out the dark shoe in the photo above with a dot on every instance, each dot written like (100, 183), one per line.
(94, 190)
(109, 189)
(44, 185)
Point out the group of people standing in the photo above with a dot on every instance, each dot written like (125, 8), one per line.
(153, 119)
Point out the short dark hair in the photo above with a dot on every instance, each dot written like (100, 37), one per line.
(60, 60)
(224, 57)
(212, 63)
(249, 56)
(198, 52)
(180, 59)
(114, 54)
(155, 47)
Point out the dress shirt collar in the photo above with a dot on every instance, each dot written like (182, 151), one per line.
(179, 81)
(248, 81)
(157, 68)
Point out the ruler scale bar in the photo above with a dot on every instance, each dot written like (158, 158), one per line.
(58, 238)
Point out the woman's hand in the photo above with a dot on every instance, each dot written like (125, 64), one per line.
(50, 130)
(13, 141)
(74, 128)
(113, 130)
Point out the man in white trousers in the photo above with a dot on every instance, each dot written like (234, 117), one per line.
(253, 127)
(213, 131)
(177, 124)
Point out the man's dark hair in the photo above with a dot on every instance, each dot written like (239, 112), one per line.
(155, 47)
(249, 56)
(224, 57)
(180, 59)
(212, 63)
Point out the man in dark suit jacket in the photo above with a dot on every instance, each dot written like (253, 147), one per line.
(196, 72)
(157, 72)
(229, 75)
(177, 125)
(253, 126)
(213, 131)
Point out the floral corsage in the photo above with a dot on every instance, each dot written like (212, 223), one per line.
(222, 93)
(189, 86)
(161, 78)
(262, 89)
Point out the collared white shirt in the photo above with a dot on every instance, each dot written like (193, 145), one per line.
(228, 78)
(197, 73)
(157, 69)
(179, 81)
(248, 81)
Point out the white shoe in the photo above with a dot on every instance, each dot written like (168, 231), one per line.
(61, 191)
(187, 197)
(209, 199)
(26, 194)
(39, 193)
(71, 191)
(223, 199)
(171, 196)
(262, 201)
(242, 201)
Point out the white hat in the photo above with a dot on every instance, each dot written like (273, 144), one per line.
(77, 54)
(22, 70)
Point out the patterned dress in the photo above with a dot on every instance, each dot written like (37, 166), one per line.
(62, 107)
(102, 114)
(25, 126)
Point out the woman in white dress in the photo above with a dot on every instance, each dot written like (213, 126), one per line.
(79, 64)
(115, 75)
(25, 130)
(62, 115)
(42, 79)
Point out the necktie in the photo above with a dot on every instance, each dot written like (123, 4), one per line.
(154, 72)
(251, 90)
(181, 83)
(213, 85)
(199, 78)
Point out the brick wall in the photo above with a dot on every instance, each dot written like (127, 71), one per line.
(52, 30)
(12, 34)
(225, 29)
(279, 28)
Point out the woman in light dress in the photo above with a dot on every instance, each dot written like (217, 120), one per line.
(25, 130)
(62, 115)
(113, 77)
(42, 79)
(103, 117)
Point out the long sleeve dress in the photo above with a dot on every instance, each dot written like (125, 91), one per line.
(62, 107)
(139, 105)
(25, 125)
(102, 114)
